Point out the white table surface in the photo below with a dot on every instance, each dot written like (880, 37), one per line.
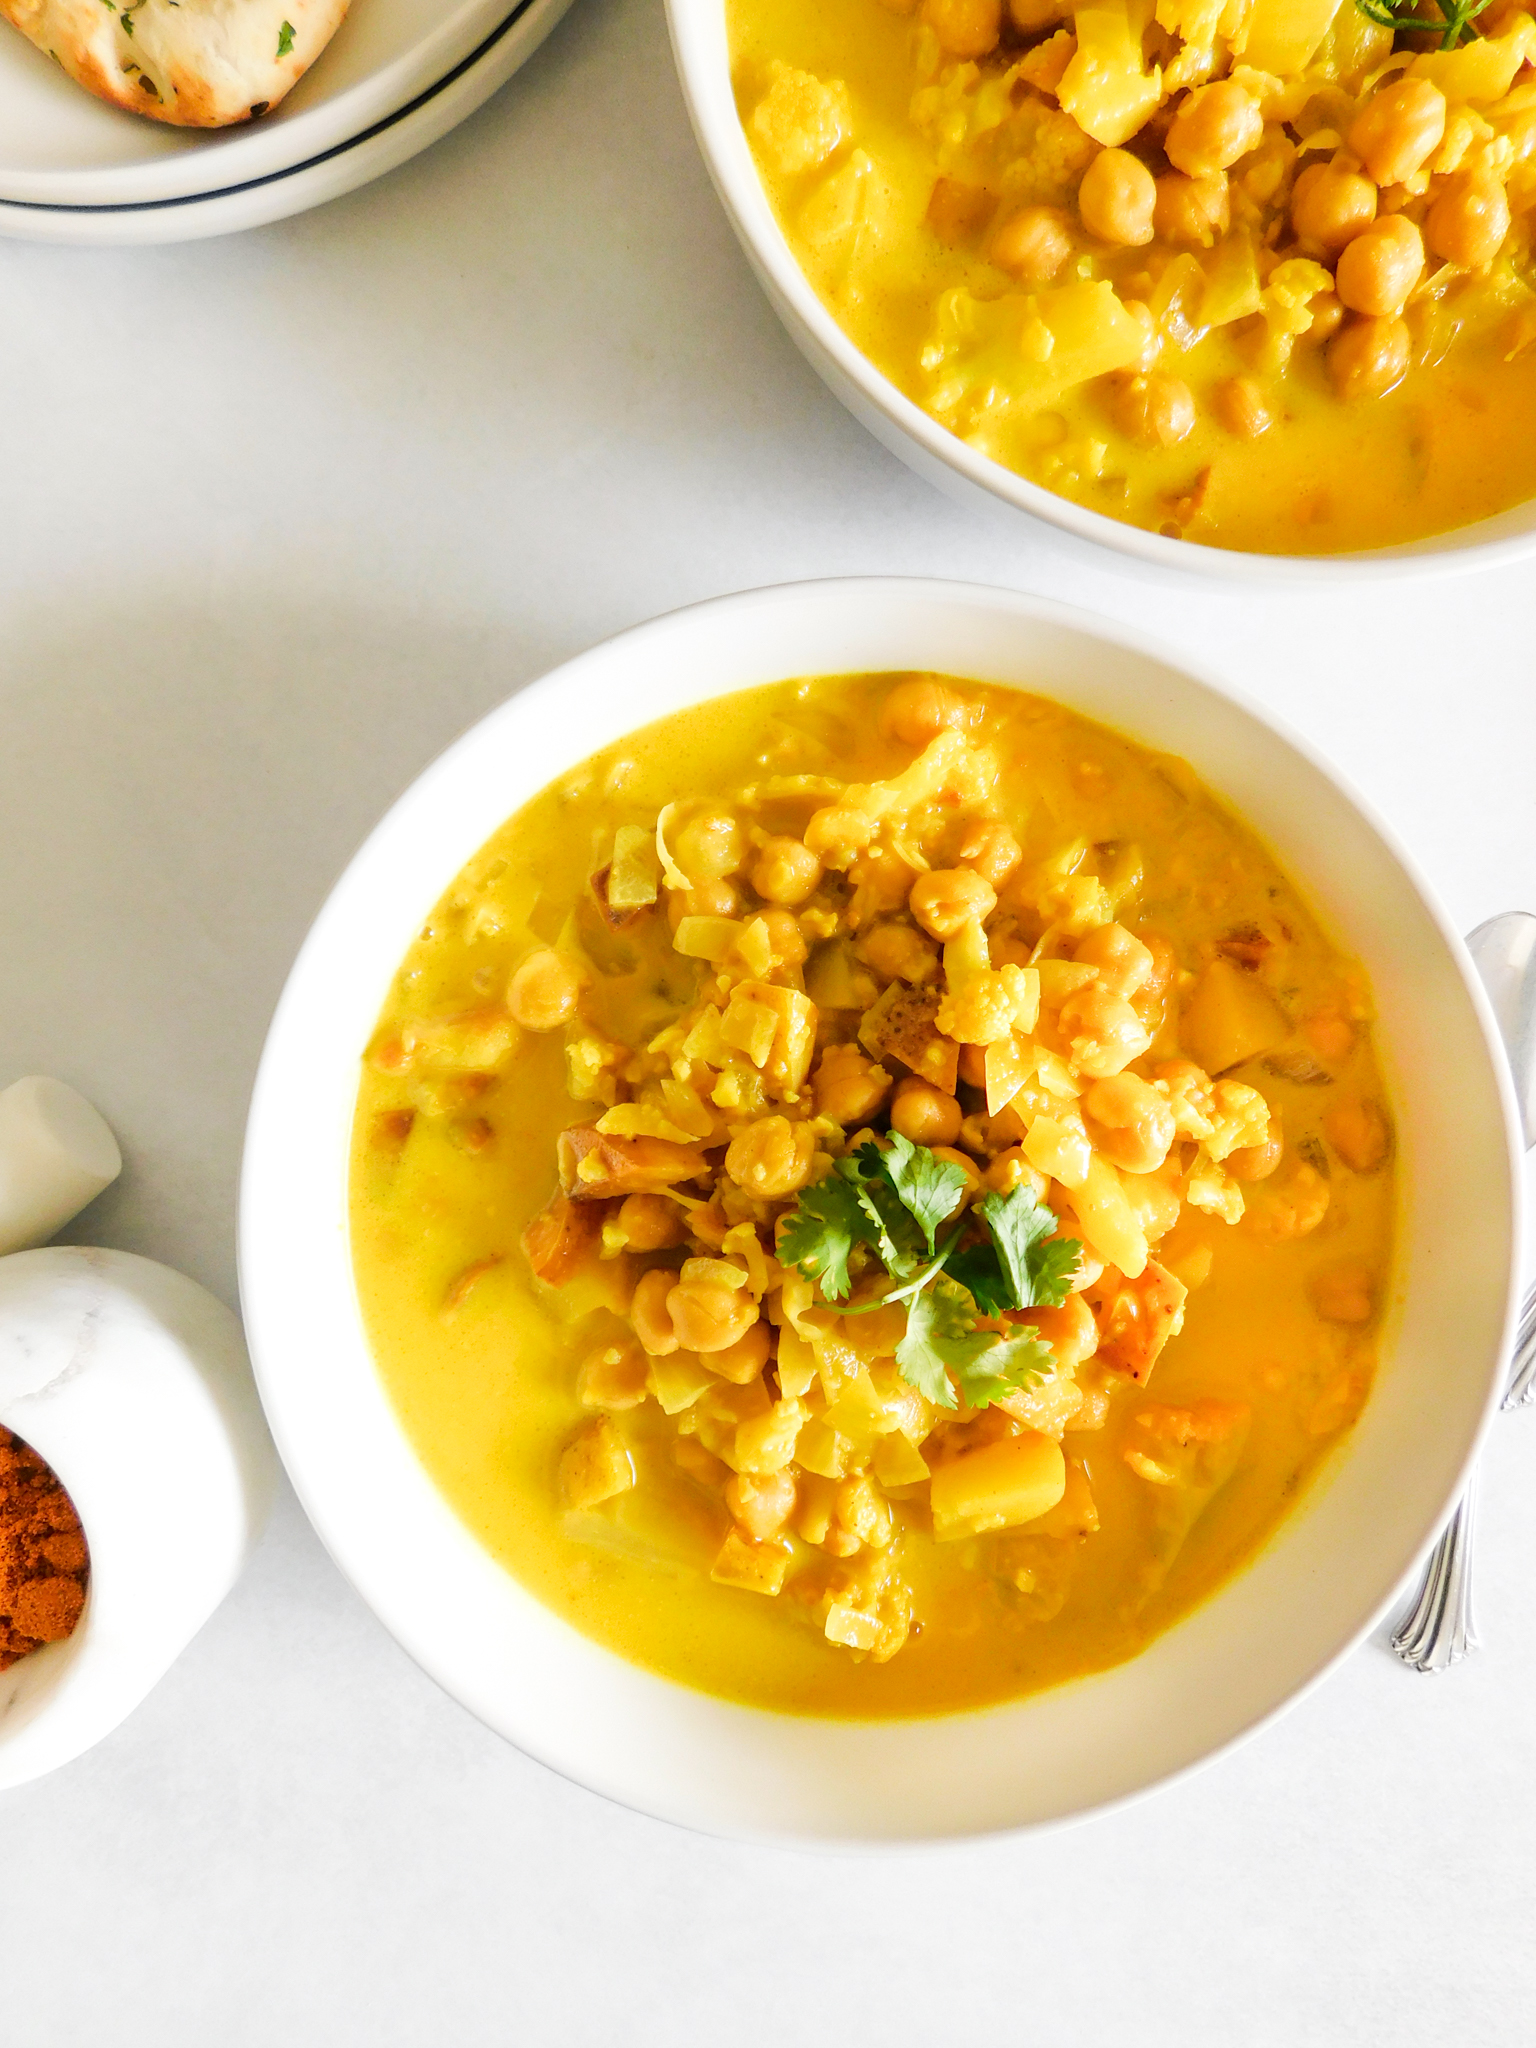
(282, 515)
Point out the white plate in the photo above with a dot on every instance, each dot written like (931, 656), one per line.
(59, 146)
(1313, 1589)
(338, 170)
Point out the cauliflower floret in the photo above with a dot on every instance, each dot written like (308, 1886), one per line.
(801, 119)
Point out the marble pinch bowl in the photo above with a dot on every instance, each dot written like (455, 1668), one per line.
(700, 45)
(1315, 1589)
(132, 1382)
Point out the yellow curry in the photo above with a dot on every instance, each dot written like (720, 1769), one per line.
(1253, 272)
(871, 1196)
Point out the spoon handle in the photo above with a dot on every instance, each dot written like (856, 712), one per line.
(1522, 1380)
(1438, 1630)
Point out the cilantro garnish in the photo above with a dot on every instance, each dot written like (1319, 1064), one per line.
(893, 1200)
(285, 39)
(1452, 22)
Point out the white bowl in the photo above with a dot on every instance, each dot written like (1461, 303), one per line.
(350, 164)
(700, 45)
(59, 146)
(1318, 1586)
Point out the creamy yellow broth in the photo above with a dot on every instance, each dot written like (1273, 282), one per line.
(455, 1157)
(1233, 407)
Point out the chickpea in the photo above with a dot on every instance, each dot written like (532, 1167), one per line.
(651, 1223)
(1156, 411)
(836, 833)
(1368, 357)
(785, 937)
(900, 953)
(1330, 206)
(1070, 1331)
(1327, 316)
(648, 1312)
(847, 1086)
(545, 990)
(708, 899)
(771, 1158)
(925, 1114)
(973, 1066)
(1399, 129)
(710, 847)
(919, 709)
(761, 1502)
(743, 1362)
(1030, 16)
(1116, 199)
(1129, 1122)
(882, 881)
(707, 1314)
(1380, 267)
(1033, 243)
(991, 849)
(985, 1135)
(1468, 222)
(1104, 1032)
(1214, 126)
(1011, 1169)
(1124, 963)
(1242, 408)
(974, 1183)
(946, 899)
(786, 871)
(1258, 1162)
(1197, 211)
(965, 28)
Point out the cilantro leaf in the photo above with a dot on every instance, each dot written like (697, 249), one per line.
(1008, 1364)
(928, 1188)
(818, 1235)
(941, 1335)
(285, 39)
(943, 1350)
(977, 1268)
(898, 1235)
(1038, 1274)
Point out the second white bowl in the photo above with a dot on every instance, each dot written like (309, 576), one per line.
(702, 50)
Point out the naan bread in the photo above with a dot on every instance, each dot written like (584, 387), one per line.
(194, 63)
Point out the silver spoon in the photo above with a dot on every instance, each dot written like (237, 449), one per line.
(1438, 1630)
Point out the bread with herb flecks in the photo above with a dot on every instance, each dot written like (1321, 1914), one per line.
(191, 63)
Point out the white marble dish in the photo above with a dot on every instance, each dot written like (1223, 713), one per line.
(699, 42)
(1319, 1584)
(131, 1381)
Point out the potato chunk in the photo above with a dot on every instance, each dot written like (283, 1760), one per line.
(1230, 1018)
(596, 1465)
(1010, 1482)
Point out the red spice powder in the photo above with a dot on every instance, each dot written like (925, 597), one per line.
(44, 1563)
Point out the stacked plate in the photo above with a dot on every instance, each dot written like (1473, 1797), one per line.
(397, 76)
